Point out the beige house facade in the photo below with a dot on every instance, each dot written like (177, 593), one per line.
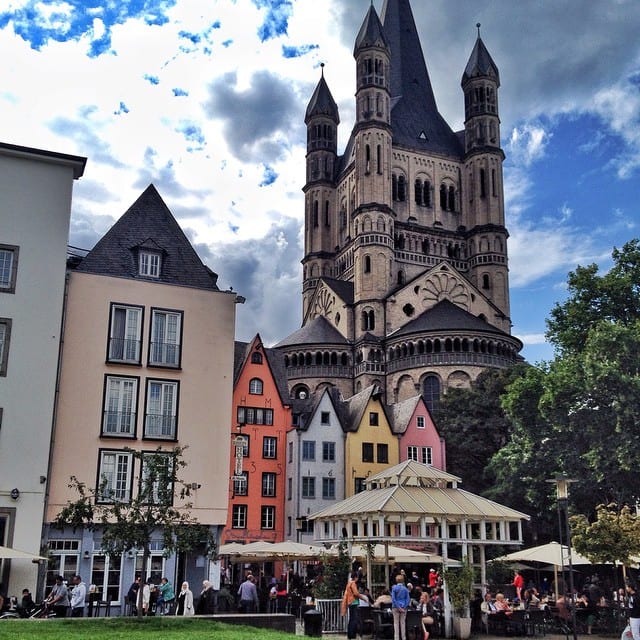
(35, 205)
(147, 364)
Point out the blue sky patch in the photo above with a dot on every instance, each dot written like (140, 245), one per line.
(191, 132)
(269, 176)
(276, 20)
(180, 92)
(39, 21)
(297, 52)
(151, 79)
(122, 108)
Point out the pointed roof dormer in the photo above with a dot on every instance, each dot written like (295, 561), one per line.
(371, 33)
(480, 63)
(149, 228)
(322, 102)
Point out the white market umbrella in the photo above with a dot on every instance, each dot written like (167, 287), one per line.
(7, 553)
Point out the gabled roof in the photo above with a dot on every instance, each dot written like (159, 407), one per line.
(446, 316)
(272, 358)
(353, 408)
(318, 331)
(480, 64)
(415, 119)
(342, 288)
(322, 103)
(402, 412)
(414, 490)
(308, 407)
(371, 33)
(148, 224)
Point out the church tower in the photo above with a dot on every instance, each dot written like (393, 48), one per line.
(406, 265)
(484, 179)
(322, 121)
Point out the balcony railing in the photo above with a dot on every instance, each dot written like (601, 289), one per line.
(124, 350)
(454, 358)
(159, 426)
(164, 353)
(119, 423)
(315, 371)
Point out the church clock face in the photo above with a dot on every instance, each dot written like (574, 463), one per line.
(444, 286)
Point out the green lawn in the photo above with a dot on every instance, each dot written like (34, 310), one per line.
(165, 628)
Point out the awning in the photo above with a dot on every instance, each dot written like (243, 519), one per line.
(7, 553)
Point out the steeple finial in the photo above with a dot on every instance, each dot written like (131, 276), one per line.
(478, 25)
(322, 69)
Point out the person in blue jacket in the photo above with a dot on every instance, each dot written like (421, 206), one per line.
(400, 598)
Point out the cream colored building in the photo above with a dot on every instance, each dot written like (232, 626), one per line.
(147, 362)
(35, 205)
(405, 270)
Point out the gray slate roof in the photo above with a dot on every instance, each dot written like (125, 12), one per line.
(149, 224)
(480, 63)
(319, 330)
(401, 413)
(371, 33)
(446, 316)
(343, 288)
(415, 120)
(322, 103)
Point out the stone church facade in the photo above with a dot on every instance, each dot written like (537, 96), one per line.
(405, 270)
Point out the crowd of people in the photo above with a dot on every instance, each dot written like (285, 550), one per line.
(407, 593)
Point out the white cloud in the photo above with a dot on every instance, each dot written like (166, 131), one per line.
(527, 143)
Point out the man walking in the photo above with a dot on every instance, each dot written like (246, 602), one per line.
(78, 596)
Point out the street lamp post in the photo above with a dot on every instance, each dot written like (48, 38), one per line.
(562, 490)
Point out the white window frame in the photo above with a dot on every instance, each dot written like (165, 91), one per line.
(8, 268)
(239, 516)
(122, 402)
(426, 453)
(149, 263)
(164, 408)
(67, 553)
(267, 517)
(165, 348)
(155, 499)
(268, 484)
(241, 487)
(112, 576)
(420, 422)
(256, 387)
(132, 334)
(269, 447)
(113, 464)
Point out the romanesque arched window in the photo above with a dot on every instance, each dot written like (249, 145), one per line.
(431, 392)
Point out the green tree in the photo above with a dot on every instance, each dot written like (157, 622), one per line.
(336, 570)
(580, 413)
(475, 426)
(613, 537)
(132, 523)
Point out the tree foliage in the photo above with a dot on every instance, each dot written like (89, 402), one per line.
(613, 537)
(336, 570)
(475, 426)
(580, 413)
(159, 507)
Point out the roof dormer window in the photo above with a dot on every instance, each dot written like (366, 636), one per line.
(149, 264)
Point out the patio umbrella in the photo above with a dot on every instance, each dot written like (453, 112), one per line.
(553, 554)
(7, 553)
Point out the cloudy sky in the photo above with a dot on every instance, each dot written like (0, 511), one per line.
(206, 99)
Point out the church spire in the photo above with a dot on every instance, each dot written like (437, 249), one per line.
(414, 114)
(371, 33)
(480, 63)
(322, 102)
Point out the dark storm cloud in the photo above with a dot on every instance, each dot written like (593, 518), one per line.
(550, 55)
(267, 272)
(256, 121)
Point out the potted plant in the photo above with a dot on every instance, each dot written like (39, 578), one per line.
(459, 584)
